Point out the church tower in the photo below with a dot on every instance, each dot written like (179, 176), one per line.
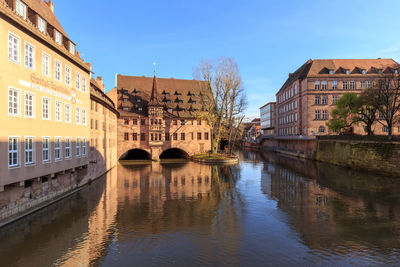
(156, 122)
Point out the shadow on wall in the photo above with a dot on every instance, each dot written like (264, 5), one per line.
(136, 154)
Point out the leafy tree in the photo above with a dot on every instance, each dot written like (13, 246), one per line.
(344, 115)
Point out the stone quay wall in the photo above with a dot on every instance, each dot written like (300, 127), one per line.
(366, 154)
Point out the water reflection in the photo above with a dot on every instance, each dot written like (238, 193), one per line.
(268, 210)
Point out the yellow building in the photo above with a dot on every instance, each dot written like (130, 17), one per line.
(45, 104)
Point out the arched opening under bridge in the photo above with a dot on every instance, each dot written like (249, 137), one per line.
(174, 153)
(136, 154)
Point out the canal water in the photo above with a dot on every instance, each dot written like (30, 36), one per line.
(269, 210)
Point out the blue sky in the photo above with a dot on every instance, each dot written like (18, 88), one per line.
(268, 39)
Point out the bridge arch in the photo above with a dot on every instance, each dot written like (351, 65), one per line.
(135, 154)
(174, 153)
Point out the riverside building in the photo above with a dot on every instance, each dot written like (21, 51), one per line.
(305, 101)
(161, 118)
(267, 119)
(45, 111)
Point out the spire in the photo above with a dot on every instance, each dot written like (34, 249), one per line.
(154, 91)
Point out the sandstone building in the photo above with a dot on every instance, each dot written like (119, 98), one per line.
(45, 114)
(267, 119)
(305, 101)
(160, 118)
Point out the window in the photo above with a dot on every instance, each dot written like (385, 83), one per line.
(134, 136)
(324, 114)
(41, 25)
(335, 99)
(126, 136)
(321, 129)
(78, 116)
(175, 122)
(126, 121)
(317, 100)
(134, 121)
(13, 102)
(324, 85)
(68, 147)
(46, 64)
(71, 48)
(84, 145)
(45, 108)
(83, 116)
(29, 151)
(13, 151)
(182, 122)
(385, 129)
(13, 48)
(20, 8)
(175, 136)
(57, 70)
(324, 100)
(58, 107)
(67, 75)
(206, 134)
(91, 123)
(199, 122)
(96, 124)
(347, 71)
(142, 122)
(369, 84)
(166, 136)
(352, 85)
(78, 81)
(59, 38)
(57, 148)
(142, 137)
(198, 136)
(182, 136)
(29, 56)
(345, 85)
(83, 84)
(363, 85)
(334, 84)
(68, 113)
(78, 147)
(317, 85)
(46, 149)
(317, 115)
(331, 72)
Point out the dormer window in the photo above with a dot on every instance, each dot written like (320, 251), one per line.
(331, 72)
(71, 48)
(139, 100)
(41, 25)
(347, 71)
(20, 8)
(380, 71)
(58, 37)
(363, 71)
(396, 71)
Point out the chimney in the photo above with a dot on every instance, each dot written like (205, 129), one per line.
(51, 5)
(99, 81)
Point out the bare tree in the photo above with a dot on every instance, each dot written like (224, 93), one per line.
(388, 101)
(227, 99)
(368, 107)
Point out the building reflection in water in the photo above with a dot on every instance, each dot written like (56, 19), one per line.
(332, 207)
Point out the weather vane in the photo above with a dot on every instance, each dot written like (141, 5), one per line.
(154, 63)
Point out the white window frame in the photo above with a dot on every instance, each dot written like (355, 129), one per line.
(84, 147)
(68, 154)
(12, 50)
(72, 48)
(84, 81)
(77, 115)
(78, 147)
(334, 85)
(67, 113)
(48, 149)
(67, 75)
(58, 37)
(57, 147)
(17, 151)
(84, 116)
(30, 150)
(32, 105)
(20, 8)
(28, 55)
(46, 68)
(78, 81)
(42, 25)
(57, 71)
(48, 108)
(18, 103)
(58, 111)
